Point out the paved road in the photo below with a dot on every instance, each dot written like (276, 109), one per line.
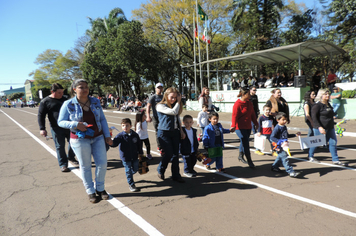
(37, 199)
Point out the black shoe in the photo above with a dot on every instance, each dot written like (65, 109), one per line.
(241, 158)
(179, 180)
(92, 198)
(251, 165)
(161, 176)
(133, 188)
(73, 161)
(103, 195)
(65, 169)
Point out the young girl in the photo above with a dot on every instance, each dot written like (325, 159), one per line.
(141, 130)
(170, 132)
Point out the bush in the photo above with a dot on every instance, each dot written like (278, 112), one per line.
(348, 93)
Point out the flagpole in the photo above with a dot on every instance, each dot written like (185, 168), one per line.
(207, 52)
(201, 77)
(194, 61)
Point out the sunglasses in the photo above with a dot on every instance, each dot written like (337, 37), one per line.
(254, 90)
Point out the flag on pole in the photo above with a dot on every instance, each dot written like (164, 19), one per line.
(206, 37)
(196, 31)
(202, 14)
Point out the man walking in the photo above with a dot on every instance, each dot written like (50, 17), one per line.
(152, 102)
(51, 105)
(254, 100)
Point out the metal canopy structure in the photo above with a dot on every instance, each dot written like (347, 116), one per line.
(291, 52)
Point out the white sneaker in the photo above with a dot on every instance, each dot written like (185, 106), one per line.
(312, 159)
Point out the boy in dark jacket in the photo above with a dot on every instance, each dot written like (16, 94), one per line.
(280, 134)
(189, 146)
(130, 147)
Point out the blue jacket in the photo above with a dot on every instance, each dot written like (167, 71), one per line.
(71, 114)
(209, 135)
(280, 132)
(185, 146)
(129, 145)
(166, 122)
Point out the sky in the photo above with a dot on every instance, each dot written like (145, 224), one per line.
(28, 28)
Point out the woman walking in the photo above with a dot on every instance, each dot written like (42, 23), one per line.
(78, 114)
(205, 99)
(242, 115)
(169, 132)
(278, 104)
(309, 97)
(323, 121)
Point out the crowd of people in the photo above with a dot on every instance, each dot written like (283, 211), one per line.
(81, 122)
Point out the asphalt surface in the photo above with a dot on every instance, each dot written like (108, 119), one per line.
(38, 199)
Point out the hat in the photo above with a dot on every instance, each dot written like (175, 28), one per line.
(159, 85)
(335, 88)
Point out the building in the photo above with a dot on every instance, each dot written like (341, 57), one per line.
(28, 85)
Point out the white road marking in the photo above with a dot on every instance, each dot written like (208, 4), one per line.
(135, 218)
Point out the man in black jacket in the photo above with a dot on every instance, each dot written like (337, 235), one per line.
(51, 105)
(254, 100)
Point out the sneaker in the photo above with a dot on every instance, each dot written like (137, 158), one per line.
(149, 156)
(92, 198)
(275, 154)
(222, 170)
(258, 152)
(161, 176)
(339, 163)
(73, 161)
(65, 169)
(133, 188)
(103, 195)
(208, 167)
(189, 175)
(194, 173)
(312, 159)
(275, 169)
(294, 174)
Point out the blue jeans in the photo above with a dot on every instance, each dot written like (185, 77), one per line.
(331, 139)
(253, 128)
(131, 168)
(169, 143)
(83, 149)
(244, 136)
(283, 158)
(60, 136)
(335, 108)
(310, 131)
(189, 162)
(218, 164)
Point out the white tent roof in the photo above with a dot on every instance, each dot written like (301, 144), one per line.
(291, 52)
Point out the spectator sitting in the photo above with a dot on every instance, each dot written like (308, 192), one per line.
(261, 81)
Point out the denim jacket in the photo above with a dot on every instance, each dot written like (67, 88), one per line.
(71, 114)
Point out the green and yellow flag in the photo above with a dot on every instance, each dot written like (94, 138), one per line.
(202, 14)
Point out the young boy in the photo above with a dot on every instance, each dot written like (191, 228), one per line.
(189, 146)
(213, 137)
(280, 132)
(130, 147)
(203, 118)
(265, 125)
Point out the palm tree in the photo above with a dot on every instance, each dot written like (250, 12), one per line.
(101, 27)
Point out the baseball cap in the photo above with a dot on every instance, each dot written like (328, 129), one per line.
(159, 85)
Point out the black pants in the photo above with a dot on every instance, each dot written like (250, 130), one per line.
(147, 144)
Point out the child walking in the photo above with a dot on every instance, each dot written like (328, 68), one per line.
(280, 135)
(203, 118)
(130, 147)
(189, 146)
(141, 129)
(265, 127)
(213, 137)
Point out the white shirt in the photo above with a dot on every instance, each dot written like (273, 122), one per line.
(142, 132)
(190, 137)
(203, 119)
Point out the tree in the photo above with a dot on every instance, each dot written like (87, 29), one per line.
(168, 25)
(54, 67)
